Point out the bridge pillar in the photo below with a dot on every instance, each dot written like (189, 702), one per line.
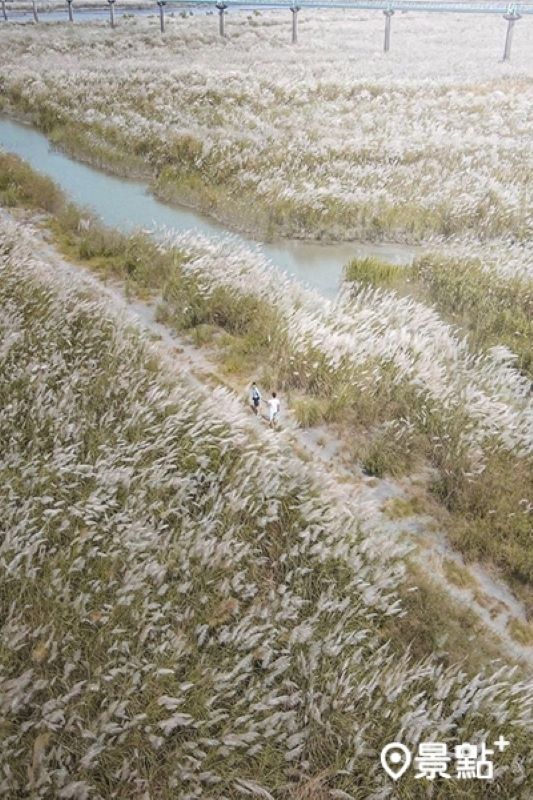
(111, 13)
(221, 10)
(294, 11)
(34, 9)
(162, 4)
(70, 14)
(388, 14)
(4, 12)
(511, 18)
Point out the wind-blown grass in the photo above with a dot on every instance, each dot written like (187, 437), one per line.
(496, 310)
(429, 140)
(381, 365)
(488, 294)
(379, 360)
(186, 611)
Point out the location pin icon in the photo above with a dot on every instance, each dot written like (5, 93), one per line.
(395, 759)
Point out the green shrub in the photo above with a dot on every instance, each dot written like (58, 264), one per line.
(20, 185)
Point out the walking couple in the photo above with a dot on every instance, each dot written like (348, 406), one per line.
(273, 405)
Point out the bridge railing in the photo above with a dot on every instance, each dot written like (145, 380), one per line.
(379, 5)
(511, 12)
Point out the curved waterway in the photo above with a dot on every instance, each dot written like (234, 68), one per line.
(128, 205)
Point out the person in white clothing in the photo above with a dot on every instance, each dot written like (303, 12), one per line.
(273, 410)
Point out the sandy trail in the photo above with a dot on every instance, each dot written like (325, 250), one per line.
(489, 598)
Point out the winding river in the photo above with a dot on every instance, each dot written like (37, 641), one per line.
(127, 205)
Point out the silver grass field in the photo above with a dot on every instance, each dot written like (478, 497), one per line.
(324, 140)
(185, 609)
(191, 606)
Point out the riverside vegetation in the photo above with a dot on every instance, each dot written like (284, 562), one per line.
(177, 620)
(173, 619)
(372, 361)
(365, 147)
(493, 307)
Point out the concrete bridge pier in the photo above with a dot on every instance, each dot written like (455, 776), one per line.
(511, 18)
(388, 14)
(70, 14)
(294, 11)
(111, 13)
(34, 9)
(221, 11)
(162, 4)
(4, 12)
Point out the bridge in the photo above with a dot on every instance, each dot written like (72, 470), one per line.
(394, 5)
(511, 12)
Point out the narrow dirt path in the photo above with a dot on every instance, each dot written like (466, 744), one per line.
(486, 596)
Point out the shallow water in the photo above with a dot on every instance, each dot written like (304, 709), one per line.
(127, 204)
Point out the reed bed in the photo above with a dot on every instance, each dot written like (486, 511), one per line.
(487, 295)
(374, 326)
(187, 610)
(392, 364)
(407, 386)
(329, 139)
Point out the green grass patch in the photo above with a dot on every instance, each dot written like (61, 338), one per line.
(434, 619)
(522, 632)
(458, 574)
(401, 507)
(393, 449)
(310, 411)
(491, 517)
(493, 309)
(20, 185)
(375, 271)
